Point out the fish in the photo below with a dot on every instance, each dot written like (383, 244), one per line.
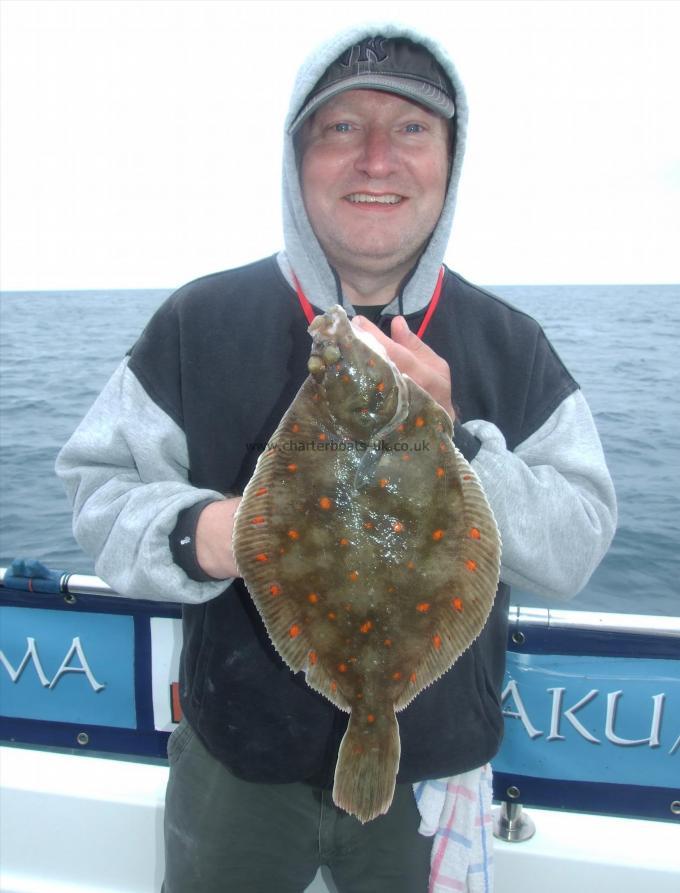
(368, 546)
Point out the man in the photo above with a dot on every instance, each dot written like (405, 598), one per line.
(375, 139)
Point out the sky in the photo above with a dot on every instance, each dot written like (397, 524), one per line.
(141, 139)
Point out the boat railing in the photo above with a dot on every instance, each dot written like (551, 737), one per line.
(520, 618)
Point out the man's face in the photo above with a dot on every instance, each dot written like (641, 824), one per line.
(374, 173)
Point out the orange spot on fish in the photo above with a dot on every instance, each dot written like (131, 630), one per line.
(420, 421)
(383, 482)
(313, 598)
(423, 607)
(346, 378)
(293, 534)
(342, 668)
(334, 685)
(440, 472)
(294, 631)
(437, 641)
(387, 643)
(442, 447)
(275, 589)
(366, 627)
(406, 457)
(397, 527)
(332, 615)
(313, 657)
(411, 565)
(370, 362)
(475, 534)
(396, 676)
(412, 677)
(357, 749)
(258, 519)
(261, 491)
(380, 387)
(468, 477)
(322, 436)
(368, 525)
(391, 589)
(370, 718)
(344, 541)
(457, 604)
(471, 565)
(325, 503)
(401, 427)
(354, 576)
(292, 467)
(437, 535)
(261, 557)
(295, 428)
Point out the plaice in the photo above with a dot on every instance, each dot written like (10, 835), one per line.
(369, 548)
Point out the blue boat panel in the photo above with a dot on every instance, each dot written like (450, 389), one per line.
(549, 640)
(584, 718)
(590, 714)
(67, 667)
(85, 738)
(635, 801)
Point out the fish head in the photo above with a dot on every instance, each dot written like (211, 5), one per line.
(362, 389)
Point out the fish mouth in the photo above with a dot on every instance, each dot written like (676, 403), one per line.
(372, 198)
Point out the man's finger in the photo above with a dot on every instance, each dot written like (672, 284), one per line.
(408, 339)
(400, 355)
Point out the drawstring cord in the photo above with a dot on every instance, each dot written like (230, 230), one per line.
(309, 313)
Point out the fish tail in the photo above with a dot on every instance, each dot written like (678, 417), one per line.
(367, 765)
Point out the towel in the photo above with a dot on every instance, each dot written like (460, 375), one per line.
(456, 811)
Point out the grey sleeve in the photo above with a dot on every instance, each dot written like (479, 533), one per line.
(125, 470)
(553, 499)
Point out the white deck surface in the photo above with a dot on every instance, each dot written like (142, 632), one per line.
(76, 824)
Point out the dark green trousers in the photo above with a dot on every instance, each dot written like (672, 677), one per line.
(224, 835)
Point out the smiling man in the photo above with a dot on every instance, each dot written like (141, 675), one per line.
(374, 146)
(374, 173)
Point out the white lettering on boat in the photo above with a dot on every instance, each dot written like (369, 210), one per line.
(31, 654)
(512, 694)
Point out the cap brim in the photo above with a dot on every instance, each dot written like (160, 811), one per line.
(427, 95)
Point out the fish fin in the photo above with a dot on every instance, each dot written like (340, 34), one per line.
(318, 679)
(367, 766)
(256, 546)
(478, 556)
(255, 551)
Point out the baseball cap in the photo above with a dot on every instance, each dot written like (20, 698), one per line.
(395, 65)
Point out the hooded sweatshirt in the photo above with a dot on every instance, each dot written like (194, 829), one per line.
(180, 423)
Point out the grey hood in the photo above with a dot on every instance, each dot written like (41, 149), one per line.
(303, 253)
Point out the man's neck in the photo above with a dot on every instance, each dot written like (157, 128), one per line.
(370, 290)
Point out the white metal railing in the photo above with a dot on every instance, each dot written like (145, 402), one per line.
(519, 617)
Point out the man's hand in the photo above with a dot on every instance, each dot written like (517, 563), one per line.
(414, 358)
(213, 538)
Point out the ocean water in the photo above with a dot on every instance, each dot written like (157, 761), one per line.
(620, 343)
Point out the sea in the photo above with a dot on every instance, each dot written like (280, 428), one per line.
(620, 342)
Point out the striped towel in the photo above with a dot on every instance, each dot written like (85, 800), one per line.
(456, 811)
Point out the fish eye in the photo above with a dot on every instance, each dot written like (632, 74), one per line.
(330, 354)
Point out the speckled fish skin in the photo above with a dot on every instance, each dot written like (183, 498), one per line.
(368, 546)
